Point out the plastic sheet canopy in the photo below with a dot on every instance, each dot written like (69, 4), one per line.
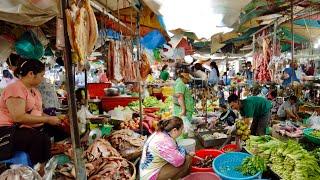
(28, 12)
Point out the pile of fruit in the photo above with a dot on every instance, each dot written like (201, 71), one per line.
(131, 124)
(243, 129)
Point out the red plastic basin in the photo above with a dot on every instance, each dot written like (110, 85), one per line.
(230, 148)
(202, 176)
(203, 153)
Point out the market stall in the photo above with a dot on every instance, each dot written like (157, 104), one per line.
(127, 82)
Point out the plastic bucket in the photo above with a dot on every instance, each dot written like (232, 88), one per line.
(188, 144)
(202, 176)
(203, 153)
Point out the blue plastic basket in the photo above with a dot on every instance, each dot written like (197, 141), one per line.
(225, 166)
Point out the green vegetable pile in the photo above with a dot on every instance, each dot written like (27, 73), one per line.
(135, 106)
(167, 104)
(263, 146)
(316, 133)
(252, 165)
(316, 154)
(151, 102)
(288, 159)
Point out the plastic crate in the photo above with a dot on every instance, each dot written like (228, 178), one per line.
(97, 89)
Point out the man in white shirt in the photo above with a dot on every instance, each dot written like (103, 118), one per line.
(288, 110)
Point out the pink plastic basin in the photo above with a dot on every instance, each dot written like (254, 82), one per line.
(202, 176)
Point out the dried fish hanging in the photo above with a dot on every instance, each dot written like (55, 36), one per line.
(82, 30)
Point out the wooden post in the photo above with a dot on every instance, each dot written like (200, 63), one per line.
(292, 40)
(75, 135)
(139, 77)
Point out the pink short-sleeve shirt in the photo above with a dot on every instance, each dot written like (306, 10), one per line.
(19, 90)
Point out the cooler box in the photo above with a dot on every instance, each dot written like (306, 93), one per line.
(97, 89)
(110, 102)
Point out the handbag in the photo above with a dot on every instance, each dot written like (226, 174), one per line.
(6, 142)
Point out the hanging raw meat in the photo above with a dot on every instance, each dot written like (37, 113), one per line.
(145, 67)
(261, 62)
(110, 61)
(117, 62)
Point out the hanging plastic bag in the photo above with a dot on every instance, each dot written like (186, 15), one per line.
(315, 121)
(60, 43)
(6, 47)
(29, 46)
(153, 40)
(50, 168)
(40, 36)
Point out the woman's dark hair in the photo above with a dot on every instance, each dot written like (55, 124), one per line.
(198, 66)
(164, 67)
(13, 60)
(6, 74)
(169, 124)
(214, 65)
(27, 65)
(293, 98)
(233, 98)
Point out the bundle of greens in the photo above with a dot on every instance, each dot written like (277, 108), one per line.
(316, 154)
(134, 105)
(252, 165)
(289, 160)
(262, 146)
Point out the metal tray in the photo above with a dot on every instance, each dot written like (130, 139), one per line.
(212, 142)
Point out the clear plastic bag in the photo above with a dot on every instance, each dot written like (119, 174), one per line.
(315, 121)
(20, 173)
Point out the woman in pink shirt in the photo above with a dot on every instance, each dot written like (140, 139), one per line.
(21, 117)
(162, 158)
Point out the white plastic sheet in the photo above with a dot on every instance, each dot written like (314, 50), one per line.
(28, 12)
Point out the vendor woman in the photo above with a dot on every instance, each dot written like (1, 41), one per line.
(164, 74)
(183, 103)
(256, 110)
(21, 114)
(162, 158)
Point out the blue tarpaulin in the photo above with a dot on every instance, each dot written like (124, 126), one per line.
(153, 39)
(109, 33)
(308, 22)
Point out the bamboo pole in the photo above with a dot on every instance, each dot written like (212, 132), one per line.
(292, 42)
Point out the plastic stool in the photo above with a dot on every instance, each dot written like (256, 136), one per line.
(19, 157)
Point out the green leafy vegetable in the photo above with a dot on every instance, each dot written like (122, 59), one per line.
(252, 165)
(151, 102)
(288, 159)
(316, 133)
